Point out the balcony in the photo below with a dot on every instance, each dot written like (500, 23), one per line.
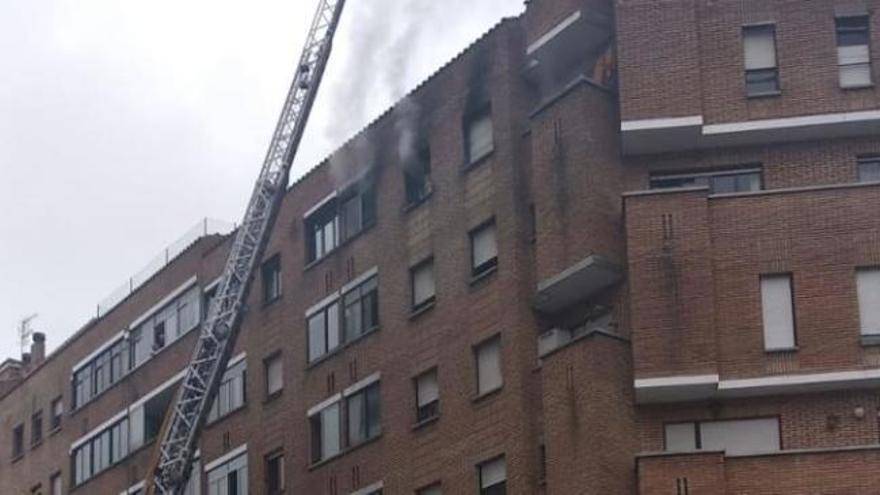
(578, 282)
(695, 265)
(849, 470)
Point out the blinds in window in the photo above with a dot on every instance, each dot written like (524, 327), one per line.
(493, 472)
(423, 283)
(489, 366)
(760, 47)
(741, 436)
(778, 312)
(868, 282)
(485, 247)
(428, 390)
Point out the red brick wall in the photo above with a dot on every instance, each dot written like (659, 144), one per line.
(721, 246)
(684, 57)
(848, 472)
(589, 426)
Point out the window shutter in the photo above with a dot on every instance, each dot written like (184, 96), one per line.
(274, 375)
(778, 312)
(489, 366)
(760, 47)
(485, 247)
(480, 137)
(428, 389)
(681, 437)
(868, 281)
(493, 472)
(741, 436)
(423, 283)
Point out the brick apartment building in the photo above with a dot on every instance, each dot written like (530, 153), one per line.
(613, 247)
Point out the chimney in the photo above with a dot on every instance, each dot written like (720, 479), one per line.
(38, 348)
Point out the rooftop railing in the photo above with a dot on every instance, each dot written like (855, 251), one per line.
(205, 227)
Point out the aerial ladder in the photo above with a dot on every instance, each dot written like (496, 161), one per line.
(172, 464)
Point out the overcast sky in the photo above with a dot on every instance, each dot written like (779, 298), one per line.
(122, 123)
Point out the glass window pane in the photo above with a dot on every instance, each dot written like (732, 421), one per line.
(357, 420)
(330, 431)
(317, 337)
(333, 326)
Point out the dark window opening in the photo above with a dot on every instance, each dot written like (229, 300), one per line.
(719, 182)
(18, 441)
(271, 273)
(275, 474)
(37, 428)
(417, 176)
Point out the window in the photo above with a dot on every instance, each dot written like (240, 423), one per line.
(493, 477)
(323, 331)
(274, 375)
(37, 428)
(356, 315)
(479, 141)
(272, 279)
(735, 437)
(275, 473)
(853, 51)
(868, 282)
(869, 169)
(484, 250)
(358, 411)
(325, 428)
(57, 413)
(231, 395)
(323, 231)
(427, 396)
(361, 311)
(104, 370)
(488, 356)
(417, 175)
(357, 211)
(759, 46)
(364, 411)
(55, 484)
(162, 328)
(718, 182)
(777, 308)
(434, 489)
(18, 441)
(423, 288)
(341, 218)
(101, 451)
(230, 478)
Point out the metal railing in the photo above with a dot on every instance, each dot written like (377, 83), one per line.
(205, 227)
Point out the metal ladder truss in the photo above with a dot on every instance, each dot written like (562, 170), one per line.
(218, 334)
